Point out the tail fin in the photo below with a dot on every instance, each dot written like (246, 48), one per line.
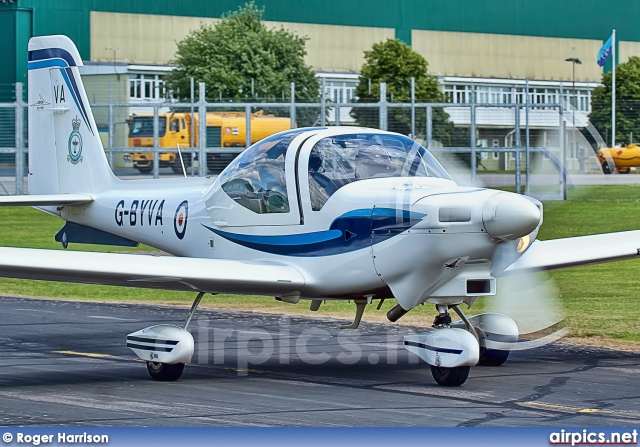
(65, 151)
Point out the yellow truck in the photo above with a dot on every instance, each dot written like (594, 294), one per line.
(621, 159)
(224, 130)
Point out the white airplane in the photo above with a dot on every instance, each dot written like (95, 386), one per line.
(307, 214)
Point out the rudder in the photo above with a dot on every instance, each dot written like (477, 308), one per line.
(65, 151)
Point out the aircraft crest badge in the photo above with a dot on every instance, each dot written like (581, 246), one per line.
(75, 143)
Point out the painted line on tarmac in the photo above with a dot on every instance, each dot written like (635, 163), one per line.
(92, 355)
(130, 359)
(568, 409)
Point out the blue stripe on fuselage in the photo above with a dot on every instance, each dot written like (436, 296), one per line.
(349, 232)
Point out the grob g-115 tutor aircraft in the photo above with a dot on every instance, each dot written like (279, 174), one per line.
(306, 214)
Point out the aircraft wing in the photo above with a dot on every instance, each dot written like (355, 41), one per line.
(574, 251)
(45, 200)
(156, 272)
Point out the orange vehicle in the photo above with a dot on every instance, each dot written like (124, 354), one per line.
(620, 158)
(224, 130)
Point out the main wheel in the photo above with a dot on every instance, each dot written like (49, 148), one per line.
(164, 371)
(450, 376)
(492, 357)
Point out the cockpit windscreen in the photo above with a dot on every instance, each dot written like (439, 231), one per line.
(339, 160)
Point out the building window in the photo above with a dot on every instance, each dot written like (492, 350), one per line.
(457, 94)
(145, 86)
(340, 91)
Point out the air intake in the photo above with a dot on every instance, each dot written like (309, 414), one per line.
(454, 214)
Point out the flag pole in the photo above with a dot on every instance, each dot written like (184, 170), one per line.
(613, 89)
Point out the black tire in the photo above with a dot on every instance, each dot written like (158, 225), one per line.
(176, 166)
(450, 376)
(628, 170)
(607, 168)
(164, 371)
(144, 169)
(492, 357)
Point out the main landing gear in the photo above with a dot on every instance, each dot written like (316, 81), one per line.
(164, 347)
(454, 347)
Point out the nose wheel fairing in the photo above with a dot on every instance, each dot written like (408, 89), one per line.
(445, 348)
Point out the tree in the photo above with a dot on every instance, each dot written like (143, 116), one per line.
(627, 103)
(396, 63)
(229, 54)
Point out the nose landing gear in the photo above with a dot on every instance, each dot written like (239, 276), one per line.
(453, 348)
(165, 348)
(451, 352)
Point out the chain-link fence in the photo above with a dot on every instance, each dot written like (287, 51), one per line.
(515, 140)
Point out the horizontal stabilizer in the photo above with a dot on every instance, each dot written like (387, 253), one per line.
(45, 200)
(72, 232)
(155, 272)
(574, 251)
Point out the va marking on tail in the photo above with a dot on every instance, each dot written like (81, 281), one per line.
(58, 93)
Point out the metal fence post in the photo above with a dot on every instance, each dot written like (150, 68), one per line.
(472, 136)
(517, 147)
(247, 117)
(382, 117)
(527, 160)
(336, 111)
(413, 107)
(202, 131)
(192, 140)
(323, 107)
(292, 113)
(429, 129)
(156, 143)
(563, 148)
(111, 125)
(20, 105)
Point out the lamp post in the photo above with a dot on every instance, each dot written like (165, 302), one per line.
(574, 61)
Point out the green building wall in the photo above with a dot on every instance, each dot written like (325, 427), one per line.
(584, 19)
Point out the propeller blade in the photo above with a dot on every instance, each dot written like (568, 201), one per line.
(532, 301)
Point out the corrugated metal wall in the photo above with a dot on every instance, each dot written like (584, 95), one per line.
(138, 38)
(504, 56)
(151, 39)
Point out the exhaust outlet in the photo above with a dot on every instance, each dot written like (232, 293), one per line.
(396, 313)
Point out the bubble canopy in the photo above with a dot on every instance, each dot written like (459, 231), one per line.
(257, 180)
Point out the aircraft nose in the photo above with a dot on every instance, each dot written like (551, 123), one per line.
(510, 216)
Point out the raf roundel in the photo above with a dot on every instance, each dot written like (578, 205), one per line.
(180, 219)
